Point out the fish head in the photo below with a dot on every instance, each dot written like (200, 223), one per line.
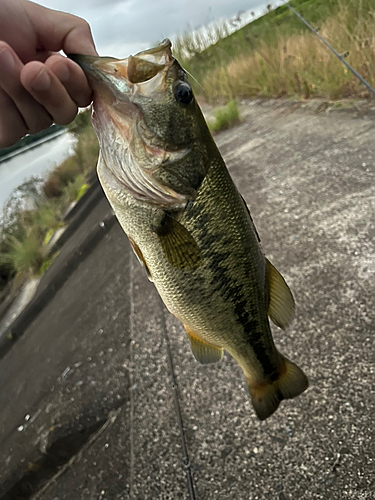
(154, 142)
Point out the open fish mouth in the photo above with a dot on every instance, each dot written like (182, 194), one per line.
(131, 153)
(113, 78)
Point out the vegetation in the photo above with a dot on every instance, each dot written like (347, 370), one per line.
(276, 55)
(225, 117)
(37, 208)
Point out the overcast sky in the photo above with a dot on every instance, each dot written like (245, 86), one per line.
(123, 27)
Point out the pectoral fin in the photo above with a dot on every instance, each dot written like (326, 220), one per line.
(204, 352)
(177, 243)
(281, 306)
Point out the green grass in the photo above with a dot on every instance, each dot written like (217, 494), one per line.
(46, 264)
(276, 55)
(47, 216)
(225, 117)
(24, 255)
(267, 29)
(81, 191)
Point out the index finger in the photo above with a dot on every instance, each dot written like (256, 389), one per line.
(61, 31)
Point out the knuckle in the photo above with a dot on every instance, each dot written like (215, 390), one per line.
(53, 59)
(3, 45)
(84, 25)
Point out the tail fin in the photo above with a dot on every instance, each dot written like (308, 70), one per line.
(266, 397)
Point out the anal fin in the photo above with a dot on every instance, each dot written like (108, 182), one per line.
(281, 305)
(204, 352)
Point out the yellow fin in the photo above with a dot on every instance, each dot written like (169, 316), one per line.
(204, 352)
(140, 257)
(177, 243)
(281, 305)
(266, 397)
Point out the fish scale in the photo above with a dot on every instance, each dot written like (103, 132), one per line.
(205, 298)
(187, 222)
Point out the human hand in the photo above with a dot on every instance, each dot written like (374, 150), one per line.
(39, 87)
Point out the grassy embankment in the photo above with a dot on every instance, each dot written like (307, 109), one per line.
(276, 55)
(25, 233)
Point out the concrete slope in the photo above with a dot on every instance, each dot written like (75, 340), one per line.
(87, 408)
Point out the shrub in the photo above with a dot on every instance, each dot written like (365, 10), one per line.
(52, 187)
(67, 171)
(34, 210)
(72, 190)
(24, 255)
(46, 217)
(225, 117)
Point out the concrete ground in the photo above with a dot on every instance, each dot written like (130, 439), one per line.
(87, 406)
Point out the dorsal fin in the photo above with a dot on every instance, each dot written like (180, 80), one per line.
(204, 352)
(281, 306)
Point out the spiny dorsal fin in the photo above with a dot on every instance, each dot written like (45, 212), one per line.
(177, 243)
(281, 303)
(204, 352)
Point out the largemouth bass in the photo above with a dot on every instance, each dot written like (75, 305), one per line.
(187, 223)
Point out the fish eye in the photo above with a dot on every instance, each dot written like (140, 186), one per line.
(183, 93)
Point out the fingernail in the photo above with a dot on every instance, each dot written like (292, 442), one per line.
(7, 61)
(62, 72)
(42, 81)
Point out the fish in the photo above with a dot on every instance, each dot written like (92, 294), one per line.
(186, 221)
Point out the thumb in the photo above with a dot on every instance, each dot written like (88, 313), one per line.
(61, 31)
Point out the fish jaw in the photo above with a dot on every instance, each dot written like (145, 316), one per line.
(114, 79)
(131, 154)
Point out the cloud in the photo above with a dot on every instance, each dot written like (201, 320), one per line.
(73, 6)
(132, 25)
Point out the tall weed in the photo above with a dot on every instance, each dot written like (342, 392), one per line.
(22, 254)
(293, 63)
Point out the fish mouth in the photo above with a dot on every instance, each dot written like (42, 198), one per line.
(118, 121)
(113, 79)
